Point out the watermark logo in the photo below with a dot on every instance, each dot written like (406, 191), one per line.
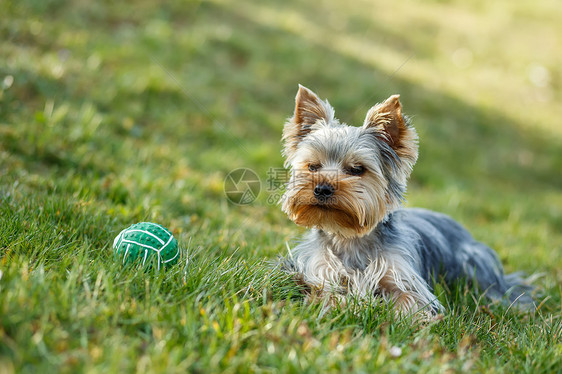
(242, 186)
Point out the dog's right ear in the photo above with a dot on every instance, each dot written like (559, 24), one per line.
(309, 111)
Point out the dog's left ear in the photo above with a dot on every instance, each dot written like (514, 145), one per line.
(393, 128)
(309, 111)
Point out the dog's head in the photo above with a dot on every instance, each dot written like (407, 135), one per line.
(345, 179)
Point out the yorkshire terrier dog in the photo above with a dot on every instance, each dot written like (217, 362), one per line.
(347, 184)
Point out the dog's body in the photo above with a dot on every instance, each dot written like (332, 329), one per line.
(347, 184)
(400, 259)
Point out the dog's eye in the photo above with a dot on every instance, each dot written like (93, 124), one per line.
(355, 170)
(313, 167)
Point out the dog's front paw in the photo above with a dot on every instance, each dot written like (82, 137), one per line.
(406, 305)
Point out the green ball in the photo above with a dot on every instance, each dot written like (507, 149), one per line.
(146, 243)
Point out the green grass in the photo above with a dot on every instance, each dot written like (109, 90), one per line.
(114, 113)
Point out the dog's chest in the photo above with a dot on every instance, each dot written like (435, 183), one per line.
(353, 254)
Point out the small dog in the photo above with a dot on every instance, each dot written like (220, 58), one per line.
(347, 184)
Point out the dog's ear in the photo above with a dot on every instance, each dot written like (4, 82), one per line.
(393, 128)
(309, 111)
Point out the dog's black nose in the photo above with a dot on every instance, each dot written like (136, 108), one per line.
(323, 191)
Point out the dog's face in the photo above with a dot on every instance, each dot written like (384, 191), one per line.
(345, 179)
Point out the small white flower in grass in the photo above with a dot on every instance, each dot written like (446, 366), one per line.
(395, 351)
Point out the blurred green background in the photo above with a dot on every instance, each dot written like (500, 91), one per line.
(138, 110)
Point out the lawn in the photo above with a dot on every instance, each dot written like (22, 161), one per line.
(112, 113)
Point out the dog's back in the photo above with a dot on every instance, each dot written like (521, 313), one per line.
(447, 250)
